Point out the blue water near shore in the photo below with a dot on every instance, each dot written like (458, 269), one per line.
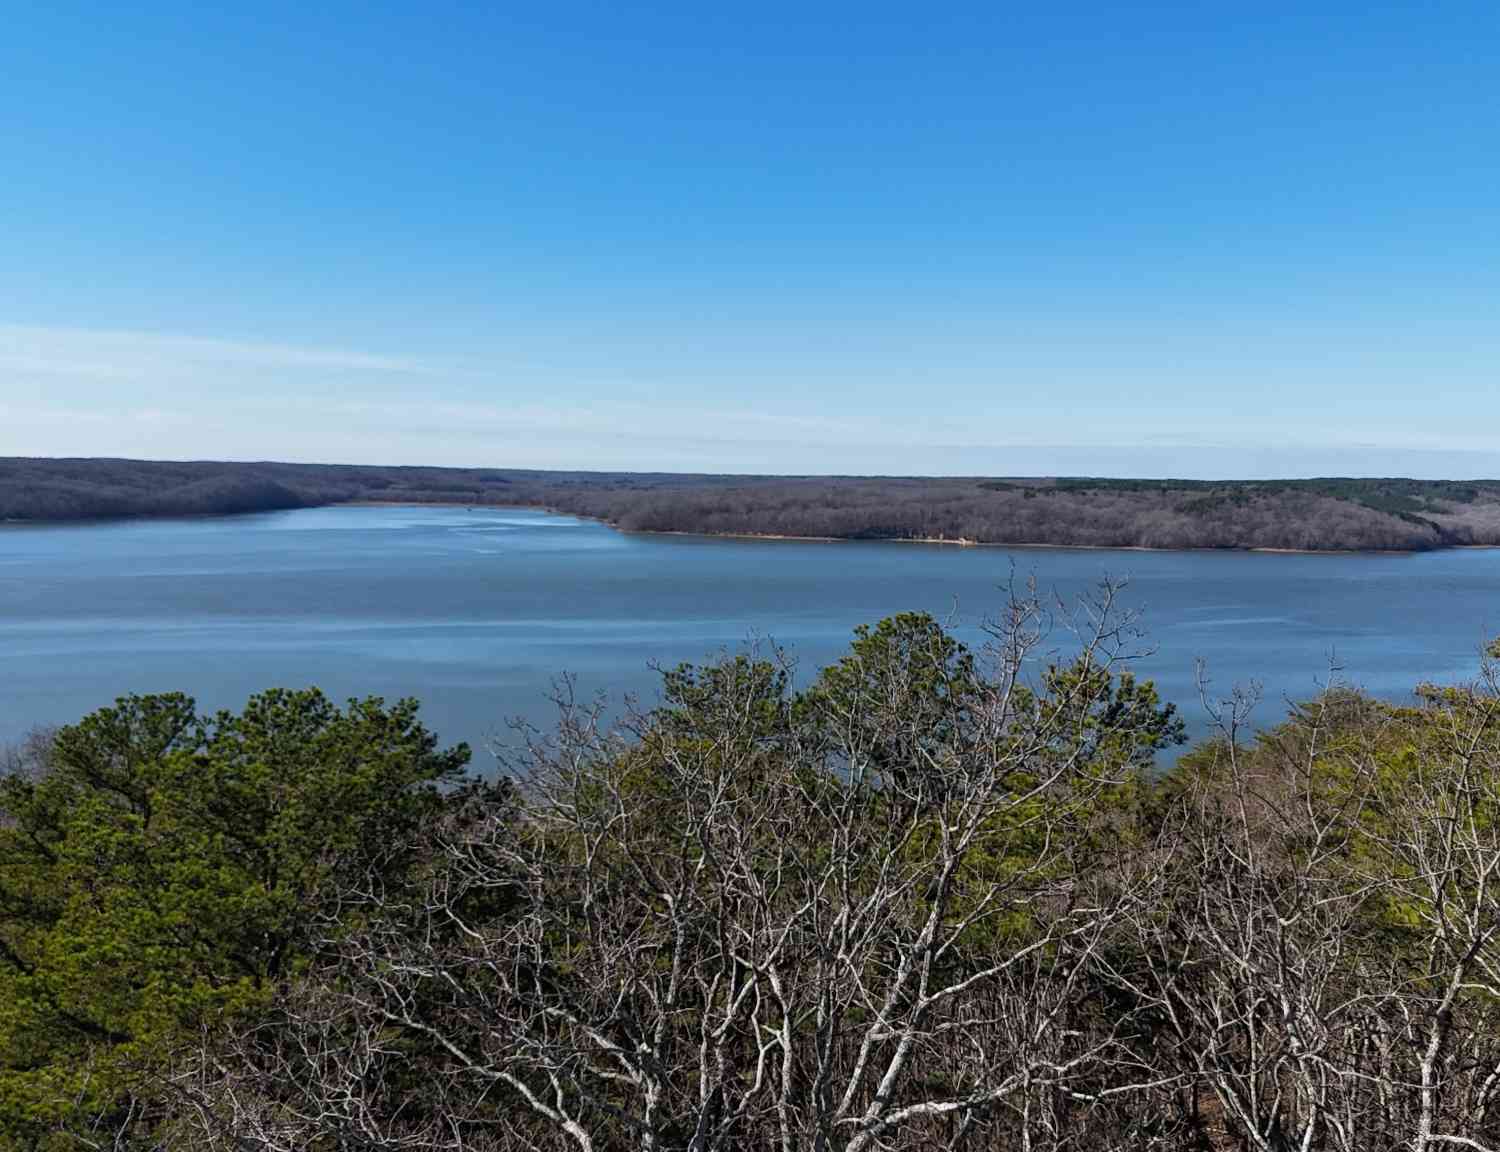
(477, 612)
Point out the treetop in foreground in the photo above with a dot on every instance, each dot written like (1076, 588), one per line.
(163, 872)
(935, 898)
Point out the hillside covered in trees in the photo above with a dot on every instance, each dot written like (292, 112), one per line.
(1316, 514)
(936, 899)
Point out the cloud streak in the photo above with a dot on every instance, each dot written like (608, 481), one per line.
(106, 354)
(76, 391)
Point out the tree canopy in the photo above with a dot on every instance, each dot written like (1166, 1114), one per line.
(162, 872)
(930, 897)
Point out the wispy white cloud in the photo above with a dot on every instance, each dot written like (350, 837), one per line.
(74, 391)
(104, 354)
(79, 369)
(632, 418)
(17, 415)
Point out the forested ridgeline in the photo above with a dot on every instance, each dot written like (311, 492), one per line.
(935, 899)
(1329, 514)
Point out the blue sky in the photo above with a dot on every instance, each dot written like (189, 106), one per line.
(1141, 239)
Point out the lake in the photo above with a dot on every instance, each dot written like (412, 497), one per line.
(476, 612)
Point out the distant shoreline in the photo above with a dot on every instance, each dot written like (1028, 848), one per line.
(1329, 515)
(933, 541)
(768, 537)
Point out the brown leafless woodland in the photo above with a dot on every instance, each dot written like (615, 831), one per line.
(1331, 514)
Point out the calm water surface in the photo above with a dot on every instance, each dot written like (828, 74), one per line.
(476, 612)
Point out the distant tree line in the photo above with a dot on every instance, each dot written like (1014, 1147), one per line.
(1056, 512)
(1328, 514)
(938, 898)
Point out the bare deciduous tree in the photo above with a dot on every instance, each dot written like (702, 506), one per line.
(860, 917)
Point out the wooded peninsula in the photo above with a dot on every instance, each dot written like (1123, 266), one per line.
(1326, 514)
